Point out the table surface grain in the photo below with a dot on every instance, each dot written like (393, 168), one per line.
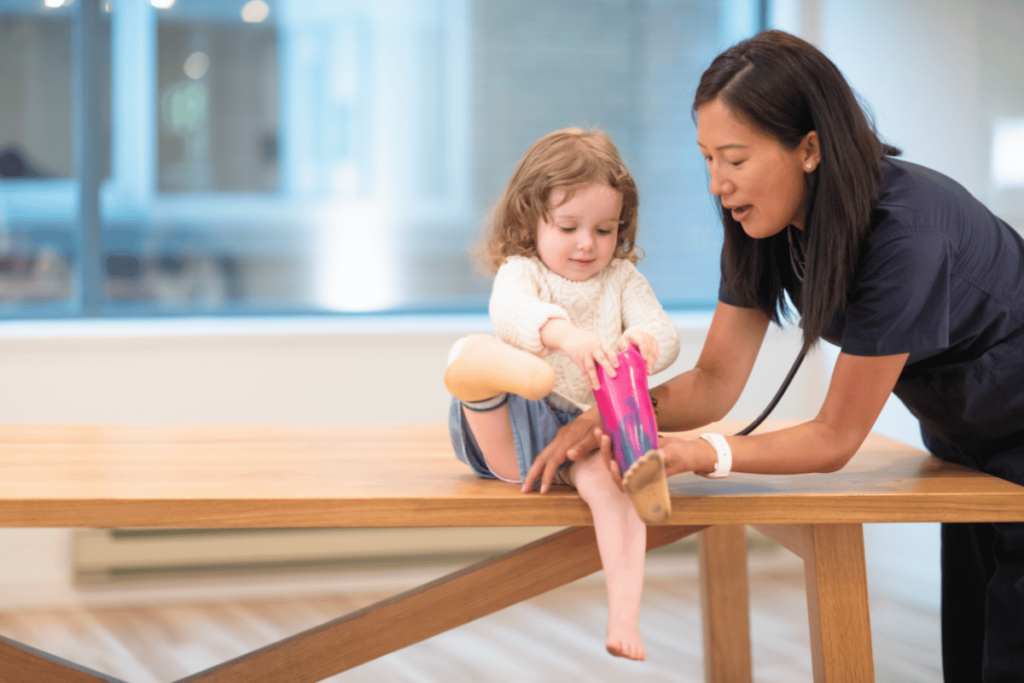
(405, 475)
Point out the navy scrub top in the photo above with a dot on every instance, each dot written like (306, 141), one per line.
(942, 279)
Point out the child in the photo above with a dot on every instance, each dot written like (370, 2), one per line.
(565, 296)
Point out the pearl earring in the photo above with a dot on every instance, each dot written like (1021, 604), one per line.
(809, 166)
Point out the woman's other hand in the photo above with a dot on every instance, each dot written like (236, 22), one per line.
(574, 441)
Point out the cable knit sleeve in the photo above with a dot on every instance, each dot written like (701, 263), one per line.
(518, 309)
(641, 310)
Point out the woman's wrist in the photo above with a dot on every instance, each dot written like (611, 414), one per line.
(684, 455)
(723, 459)
(703, 455)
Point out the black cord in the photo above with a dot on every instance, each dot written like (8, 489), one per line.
(796, 260)
(778, 395)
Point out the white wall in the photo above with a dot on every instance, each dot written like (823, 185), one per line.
(297, 371)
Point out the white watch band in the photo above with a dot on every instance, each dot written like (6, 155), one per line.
(721, 446)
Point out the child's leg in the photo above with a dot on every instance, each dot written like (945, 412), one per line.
(622, 544)
(481, 367)
(492, 430)
(482, 370)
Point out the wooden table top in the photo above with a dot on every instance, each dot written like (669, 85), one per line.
(322, 475)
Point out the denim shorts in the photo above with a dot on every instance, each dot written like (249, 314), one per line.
(534, 426)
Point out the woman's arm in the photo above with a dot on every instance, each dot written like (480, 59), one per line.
(859, 389)
(708, 391)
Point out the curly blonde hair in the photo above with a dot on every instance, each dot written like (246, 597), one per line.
(565, 159)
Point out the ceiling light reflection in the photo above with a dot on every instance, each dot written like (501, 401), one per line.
(255, 11)
(1008, 152)
(196, 65)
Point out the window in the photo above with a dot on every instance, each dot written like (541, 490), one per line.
(39, 226)
(316, 156)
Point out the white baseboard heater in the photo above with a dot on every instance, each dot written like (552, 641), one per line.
(106, 556)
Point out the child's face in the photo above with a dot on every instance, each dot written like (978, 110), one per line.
(579, 236)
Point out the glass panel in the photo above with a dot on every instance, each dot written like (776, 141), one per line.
(39, 234)
(197, 226)
(1001, 69)
(219, 125)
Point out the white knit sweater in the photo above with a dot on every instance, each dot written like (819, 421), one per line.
(527, 294)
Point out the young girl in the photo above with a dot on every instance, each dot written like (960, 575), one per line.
(566, 296)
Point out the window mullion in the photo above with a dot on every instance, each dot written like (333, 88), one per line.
(88, 134)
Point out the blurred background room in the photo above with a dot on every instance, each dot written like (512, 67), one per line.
(264, 211)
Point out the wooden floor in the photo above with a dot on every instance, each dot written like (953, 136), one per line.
(558, 636)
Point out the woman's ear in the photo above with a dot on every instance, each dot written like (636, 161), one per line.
(811, 151)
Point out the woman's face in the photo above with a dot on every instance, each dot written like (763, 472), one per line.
(758, 180)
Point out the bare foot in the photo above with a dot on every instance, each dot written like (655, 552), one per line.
(647, 486)
(485, 366)
(624, 641)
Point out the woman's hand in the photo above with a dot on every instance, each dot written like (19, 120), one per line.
(574, 441)
(605, 448)
(679, 455)
(644, 341)
(686, 455)
(585, 349)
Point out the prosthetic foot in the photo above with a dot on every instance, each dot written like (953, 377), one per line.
(628, 417)
(647, 486)
(481, 366)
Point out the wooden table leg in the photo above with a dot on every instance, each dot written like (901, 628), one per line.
(423, 612)
(23, 664)
(837, 597)
(725, 603)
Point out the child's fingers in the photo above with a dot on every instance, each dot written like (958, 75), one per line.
(651, 358)
(608, 359)
(611, 354)
(590, 370)
(648, 349)
(598, 357)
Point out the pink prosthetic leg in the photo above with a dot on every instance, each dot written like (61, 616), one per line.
(626, 409)
(628, 417)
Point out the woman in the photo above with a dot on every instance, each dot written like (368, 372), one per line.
(917, 282)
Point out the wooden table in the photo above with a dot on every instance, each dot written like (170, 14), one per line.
(210, 476)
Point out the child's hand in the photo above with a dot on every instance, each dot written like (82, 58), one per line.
(588, 351)
(644, 341)
(584, 348)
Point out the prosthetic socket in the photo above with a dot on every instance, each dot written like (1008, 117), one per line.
(626, 409)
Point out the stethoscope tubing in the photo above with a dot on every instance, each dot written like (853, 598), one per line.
(778, 395)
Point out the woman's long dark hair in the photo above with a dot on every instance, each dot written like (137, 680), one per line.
(786, 87)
